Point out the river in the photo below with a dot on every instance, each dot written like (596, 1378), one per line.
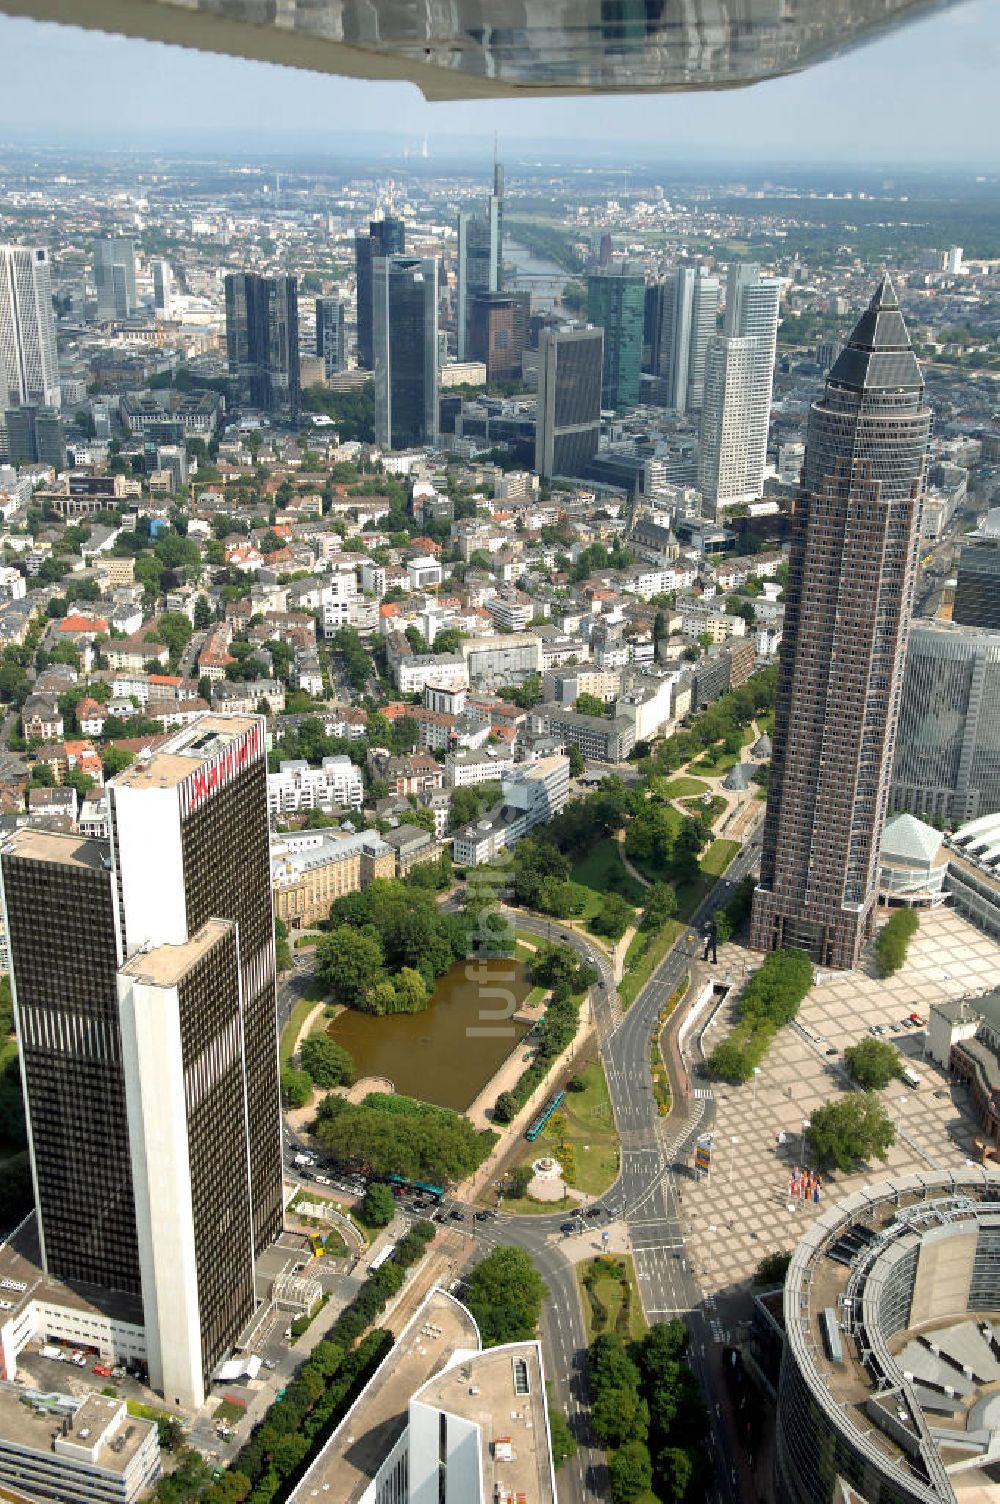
(447, 1053)
(543, 279)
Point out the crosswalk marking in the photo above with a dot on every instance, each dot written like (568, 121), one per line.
(703, 1093)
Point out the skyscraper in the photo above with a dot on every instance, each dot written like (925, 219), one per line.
(480, 258)
(735, 427)
(331, 341)
(262, 338)
(568, 423)
(689, 310)
(143, 980)
(35, 436)
(29, 368)
(404, 304)
(114, 278)
(977, 589)
(616, 304)
(385, 237)
(852, 567)
(163, 288)
(498, 332)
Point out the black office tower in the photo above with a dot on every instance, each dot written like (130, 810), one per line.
(406, 351)
(385, 237)
(977, 590)
(262, 338)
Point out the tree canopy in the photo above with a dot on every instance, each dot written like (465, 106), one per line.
(505, 1294)
(850, 1129)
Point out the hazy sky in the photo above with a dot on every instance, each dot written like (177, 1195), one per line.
(925, 93)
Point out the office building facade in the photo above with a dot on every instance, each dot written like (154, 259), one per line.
(498, 332)
(688, 318)
(262, 338)
(29, 367)
(739, 381)
(331, 340)
(480, 259)
(35, 436)
(616, 304)
(568, 424)
(143, 979)
(163, 289)
(114, 278)
(405, 308)
(852, 567)
(947, 764)
(384, 237)
(977, 589)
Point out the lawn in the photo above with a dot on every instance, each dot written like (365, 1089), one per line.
(718, 856)
(610, 1297)
(534, 997)
(715, 763)
(685, 787)
(710, 809)
(290, 1032)
(643, 957)
(582, 1134)
(603, 871)
(229, 1412)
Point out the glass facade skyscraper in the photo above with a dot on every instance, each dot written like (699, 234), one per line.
(29, 367)
(852, 567)
(384, 237)
(262, 338)
(977, 589)
(617, 305)
(404, 304)
(568, 423)
(114, 278)
(688, 308)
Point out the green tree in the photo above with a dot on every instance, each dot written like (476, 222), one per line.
(378, 1206)
(674, 1470)
(630, 1472)
(661, 905)
(505, 1108)
(296, 1086)
(204, 616)
(852, 1128)
(282, 949)
(894, 939)
(348, 963)
(873, 1063)
(505, 1294)
(519, 1177)
(613, 917)
(174, 629)
(577, 762)
(772, 1269)
(325, 1061)
(563, 1440)
(587, 704)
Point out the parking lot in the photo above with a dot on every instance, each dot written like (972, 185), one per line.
(744, 1210)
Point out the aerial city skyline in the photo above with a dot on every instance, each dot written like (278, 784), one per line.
(500, 778)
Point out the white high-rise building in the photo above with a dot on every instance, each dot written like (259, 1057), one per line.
(954, 264)
(29, 368)
(735, 421)
(688, 321)
(114, 278)
(163, 289)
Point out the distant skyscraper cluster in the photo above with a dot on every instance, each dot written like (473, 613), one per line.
(852, 569)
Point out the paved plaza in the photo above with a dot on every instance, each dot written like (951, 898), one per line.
(744, 1210)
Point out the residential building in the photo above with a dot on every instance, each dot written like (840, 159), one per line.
(416, 774)
(41, 717)
(480, 258)
(414, 674)
(114, 278)
(262, 340)
(852, 569)
(471, 765)
(615, 303)
(503, 657)
(568, 424)
(143, 970)
(335, 784)
(531, 794)
(688, 313)
(29, 366)
(977, 589)
(331, 339)
(311, 869)
(405, 350)
(947, 763)
(411, 846)
(425, 573)
(384, 237)
(245, 696)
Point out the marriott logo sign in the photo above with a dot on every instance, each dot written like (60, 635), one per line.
(211, 777)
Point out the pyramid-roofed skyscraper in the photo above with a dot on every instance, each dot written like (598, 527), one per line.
(852, 568)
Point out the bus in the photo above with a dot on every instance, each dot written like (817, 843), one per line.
(400, 1183)
(551, 1106)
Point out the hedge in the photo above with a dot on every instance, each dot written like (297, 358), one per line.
(894, 940)
(771, 998)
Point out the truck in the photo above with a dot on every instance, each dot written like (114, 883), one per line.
(54, 1352)
(303, 1160)
(910, 1077)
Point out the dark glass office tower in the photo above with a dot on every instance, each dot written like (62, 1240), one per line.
(977, 590)
(144, 985)
(404, 304)
(331, 344)
(617, 304)
(852, 567)
(262, 338)
(385, 237)
(568, 422)
(498, 332)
